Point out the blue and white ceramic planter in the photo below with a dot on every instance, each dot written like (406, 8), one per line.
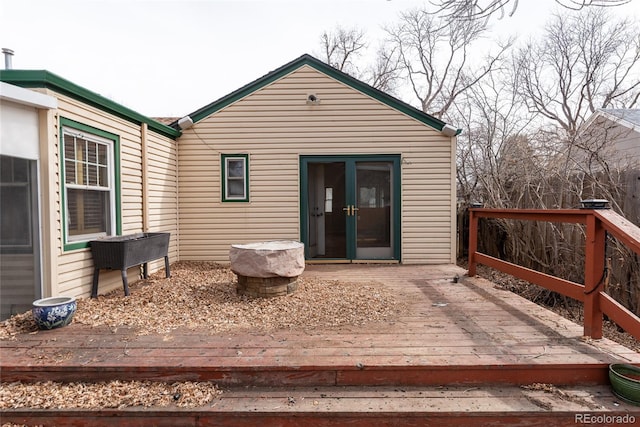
(53, 312)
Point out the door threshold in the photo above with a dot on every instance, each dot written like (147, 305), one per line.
(375, 261)
(327, 261)
(351, 261)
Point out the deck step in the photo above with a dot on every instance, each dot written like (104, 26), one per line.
(365, 406)
(319, 376)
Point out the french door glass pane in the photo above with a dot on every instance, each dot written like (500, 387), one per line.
(327, 217)
(373, 200)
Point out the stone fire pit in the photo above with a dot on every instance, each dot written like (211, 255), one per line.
(267, 269)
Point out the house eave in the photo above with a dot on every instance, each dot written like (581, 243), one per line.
(29, 98)
(48, 80)
(334, 73)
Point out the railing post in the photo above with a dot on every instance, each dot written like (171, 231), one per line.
(593, 277)
(473, 242)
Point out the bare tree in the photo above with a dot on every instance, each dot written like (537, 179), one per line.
(384, 72)
(585, 61)
(480, 9)
(473, 9)
(494, 147)
(434, 57)
(342, 48)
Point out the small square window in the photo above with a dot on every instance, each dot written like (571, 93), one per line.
(235, 177)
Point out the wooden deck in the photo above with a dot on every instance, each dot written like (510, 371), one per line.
(464, 334)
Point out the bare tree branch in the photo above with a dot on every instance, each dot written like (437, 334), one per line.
(434, 57)
(482, 9)
(383, 74)
(585, 61)
(342, 47)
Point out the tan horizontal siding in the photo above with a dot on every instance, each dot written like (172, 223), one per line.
(82, 113)
(275, 126)
(75, 268)
(162, 197)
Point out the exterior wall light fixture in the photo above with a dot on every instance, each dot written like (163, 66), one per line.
(185, 123)
(312, 99)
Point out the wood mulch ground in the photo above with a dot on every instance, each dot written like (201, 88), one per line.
(208, 301)
(206, 295)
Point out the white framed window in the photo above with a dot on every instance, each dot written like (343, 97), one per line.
(90, 176)
(235, 177)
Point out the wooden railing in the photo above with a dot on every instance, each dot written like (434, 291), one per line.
(598, 223)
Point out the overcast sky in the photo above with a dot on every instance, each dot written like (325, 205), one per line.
(169, 58)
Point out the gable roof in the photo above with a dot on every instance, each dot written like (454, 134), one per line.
(324, 68)
(628, 117)
(48, 80)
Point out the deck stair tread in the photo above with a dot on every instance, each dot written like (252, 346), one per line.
(421, 399)
(284, 406)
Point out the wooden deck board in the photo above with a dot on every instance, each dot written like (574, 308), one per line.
(480, 329)
(104, 355)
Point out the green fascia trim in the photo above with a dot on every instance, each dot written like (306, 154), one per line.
(64, 122)
(48, 80)
(329, 71)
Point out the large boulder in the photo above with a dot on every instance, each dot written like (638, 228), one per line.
(281, 258)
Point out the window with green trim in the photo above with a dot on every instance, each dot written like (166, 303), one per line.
(235, 177)
(90, 191)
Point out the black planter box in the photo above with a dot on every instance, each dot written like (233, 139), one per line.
(122, 252)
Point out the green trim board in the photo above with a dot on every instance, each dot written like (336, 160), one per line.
(48, 80)
(64, 122)
(350, 171)
(320, 66)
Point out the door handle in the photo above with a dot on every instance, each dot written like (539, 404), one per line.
(351, 210)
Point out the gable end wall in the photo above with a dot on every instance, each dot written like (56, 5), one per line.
(274, 125)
